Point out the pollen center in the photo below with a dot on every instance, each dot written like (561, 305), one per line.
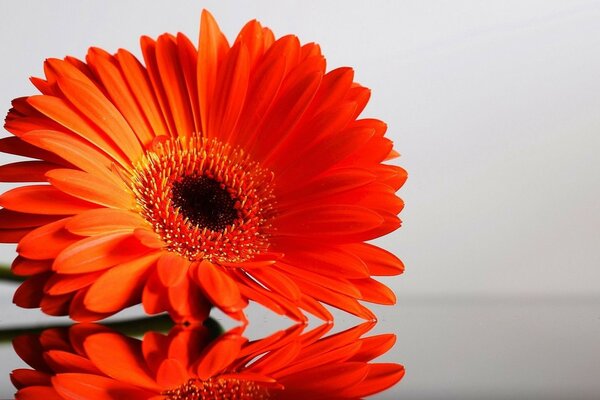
(217, 389)
(204, 201)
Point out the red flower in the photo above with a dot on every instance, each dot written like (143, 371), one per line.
(211, 175)
(93, 362)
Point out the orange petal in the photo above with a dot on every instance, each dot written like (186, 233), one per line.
(374, 292)
(327, 357)
(212, 46)
(379, 261)
(324, 155)
(139, 82)
(219, 356)
(292, 101)
(251, 35)
(334, 88)
(172, 268)
(315, 308)
(38, 392)
(120, 286)
(56, 305)
(22, 266)
(277, 282)
(297, 145)
(26, 171)
(337, 300)
(43, 200)
(218, 286)
(85, 186)
(116, 86)
(277, 359)
(98, 252)
(16, 146)
(13, 235)
(75, 150)
(155, 295)
(30, 350)
(171, 373)
(327, 260)
(92, 103)
(149, 51)
(75, 386)
(231, 85)
(22, 377)
(30, 293)
(337, 181)
(327, 221)
(47, 241)
(104, 220)
(188, 57)
(380, 377)
(325, 379)
(62, 284)
(274, 301)
(65, 361)
(154, 347)
(15, 220)
(264, 85)
(329, 280)
(148, 238)
(173, 80)
(374, 346)
(124, 362)
(187, 302)
(60, 111)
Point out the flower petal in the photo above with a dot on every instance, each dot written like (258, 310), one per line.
(172, 268)
(137, 78)
(88, 187)
(327, 221)
(171, 373)
(26, 171)
(124, 282)
(219, 355)
(61, 284)
(120, 94)
(124, 362)
(47, 241)
(38, 392)
(167, 60)
(212, 47)
(95, 106)
(104, 220)
(60, 111)
(98, 252)
(43, 199)
(75, 386)
(218, 286)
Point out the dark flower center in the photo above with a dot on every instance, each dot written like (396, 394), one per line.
(204, 201)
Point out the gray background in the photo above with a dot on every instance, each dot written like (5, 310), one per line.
(495, 108)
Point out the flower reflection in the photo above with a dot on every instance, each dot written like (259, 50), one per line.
(89, 361)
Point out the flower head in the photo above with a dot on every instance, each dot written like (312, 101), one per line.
(93, 362)
(210, 175)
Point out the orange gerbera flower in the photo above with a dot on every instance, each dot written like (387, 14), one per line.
(92, 362)
(211, 175)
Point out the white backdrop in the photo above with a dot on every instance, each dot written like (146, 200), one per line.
(494, 105)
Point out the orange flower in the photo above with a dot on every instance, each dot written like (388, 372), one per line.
(92, 362)
(209, 176)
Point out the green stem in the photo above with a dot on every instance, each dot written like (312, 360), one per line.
(7, 276)
(133, 327)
